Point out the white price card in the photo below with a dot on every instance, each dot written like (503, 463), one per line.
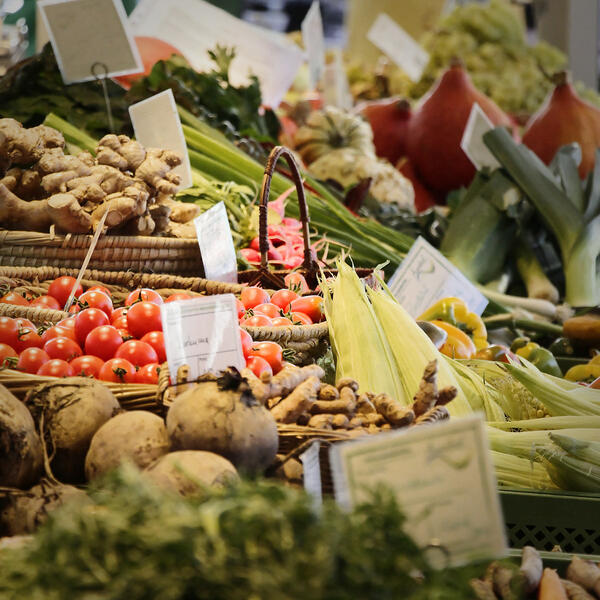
(426, 276)
(336, 90)
(443, 478)
(88, 32)
(202, 333)
(472, 143)
(314, 42)
(312, 471)
(195, 27)
(398, 45)
(216, 244)
(161, 109)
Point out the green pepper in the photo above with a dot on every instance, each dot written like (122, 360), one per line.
(539, 357)
(562, 346)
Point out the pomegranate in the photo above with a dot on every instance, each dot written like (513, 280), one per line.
(389, 121)
(564, 118)
(437, 126)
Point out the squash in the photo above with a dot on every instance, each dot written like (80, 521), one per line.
(332, 129)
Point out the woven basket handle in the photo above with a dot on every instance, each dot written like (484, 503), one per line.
(309, 263)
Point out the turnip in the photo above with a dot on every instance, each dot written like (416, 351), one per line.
(70, 411)
(21, 456)
(189, 471)
(138, 436)
(222, 416)
(22, 511)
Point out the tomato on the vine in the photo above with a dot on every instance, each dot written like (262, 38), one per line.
(138, 353)
(9, 331)
(258, 365)
(101, 288)
(28, 338)
(87, 320)
(148, 373)
(142, 318)
(143, 295)
(257, 321)
(117, 313)
(312, 306)
(68, 323)
(270, 351)
(157, 340)
(247, 341)
(56, 367)
(31, 359)
(282, 322)
(179, 296)
(61, 287)
(296, 283)
(8, 355)
(118, 370)
(63, 348)
(46, 302)
(253, 296)
(120, 323)
(103, 342)
(282, 298)
(96, 299)
(14, 298)
(87, 365)
(125, 335)
(58, 331)
(268, 309)
(241, 309)
(299, 318)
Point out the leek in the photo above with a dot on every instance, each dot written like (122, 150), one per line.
(572, 216)
(533, 275)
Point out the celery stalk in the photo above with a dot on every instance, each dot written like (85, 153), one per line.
(72, 134)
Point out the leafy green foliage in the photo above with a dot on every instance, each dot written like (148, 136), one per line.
(255, 540)
(211, 96)
(34, 87)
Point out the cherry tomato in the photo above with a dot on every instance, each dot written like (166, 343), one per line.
(14, 298)
(142, 318)
(241, 309)
(118, 370)
(144, 295)
(101, 288)
(296, 283)
(74, 308)
(58, 331)
(61, 287)
(118, 313)
(282, 322)
(68, 323)
(8, 355)
(87, 365)
(270, 351)
(178, 296)
(63, 348)
(246, 342)
(96, 299)
(103, 342)
(268, 309)
(299, 318)
(282, 298)
(25, 323)
(56, 368)
(46, 302)
(258, 365)
(312, 306)
(253, 296)
(9, 331)
(28, 338)
(120, 323)
(31, 359)
(257, 321)
(157, 340)
(138, 353)
(89, 319)
(148, 373)
(125, 335)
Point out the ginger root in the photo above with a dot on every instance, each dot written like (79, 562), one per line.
(180, 212)
(394, 412)
(156, 170)
(298, 402)
(121, 152)
(23, 147)
(30, 216)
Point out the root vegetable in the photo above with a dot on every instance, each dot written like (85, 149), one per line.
(586, 574)
(321, 421)
(180, 212)
(286, 381)
(23, 511)
(23, 147)
(121, 152)
(394, 413)
(437, 413)
(340, 421)
(137, 436)
(427, 393)
(483, 589)
(187, 472)
(341, 406)
(69, 412)
(21, 456)
(550, 587)
(222, 416)
(328, 392)
(292, 470)
(29, 216)
(446, 395)
(574, 591)
(347, 382)
(156, 170)
(299, 401)
(531, 568)
(364, 405)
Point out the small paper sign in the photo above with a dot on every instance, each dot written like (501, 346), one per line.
(202, 333)
(472, 143)
(86, 32)
(398, 45)
(195, 27)
(216, 244)
(312, 471)
(161, 108)
(443, 479)
(314, 42)
(426, 276)
(336, 90)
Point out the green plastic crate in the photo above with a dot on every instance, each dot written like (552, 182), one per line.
(546, 520)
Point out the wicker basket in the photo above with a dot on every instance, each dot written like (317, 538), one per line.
(112, 253)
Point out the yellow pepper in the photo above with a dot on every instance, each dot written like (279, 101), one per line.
(458, 344)
(588, 372)
(455, 311)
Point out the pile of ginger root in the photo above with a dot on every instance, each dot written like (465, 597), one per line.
(43, 189)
